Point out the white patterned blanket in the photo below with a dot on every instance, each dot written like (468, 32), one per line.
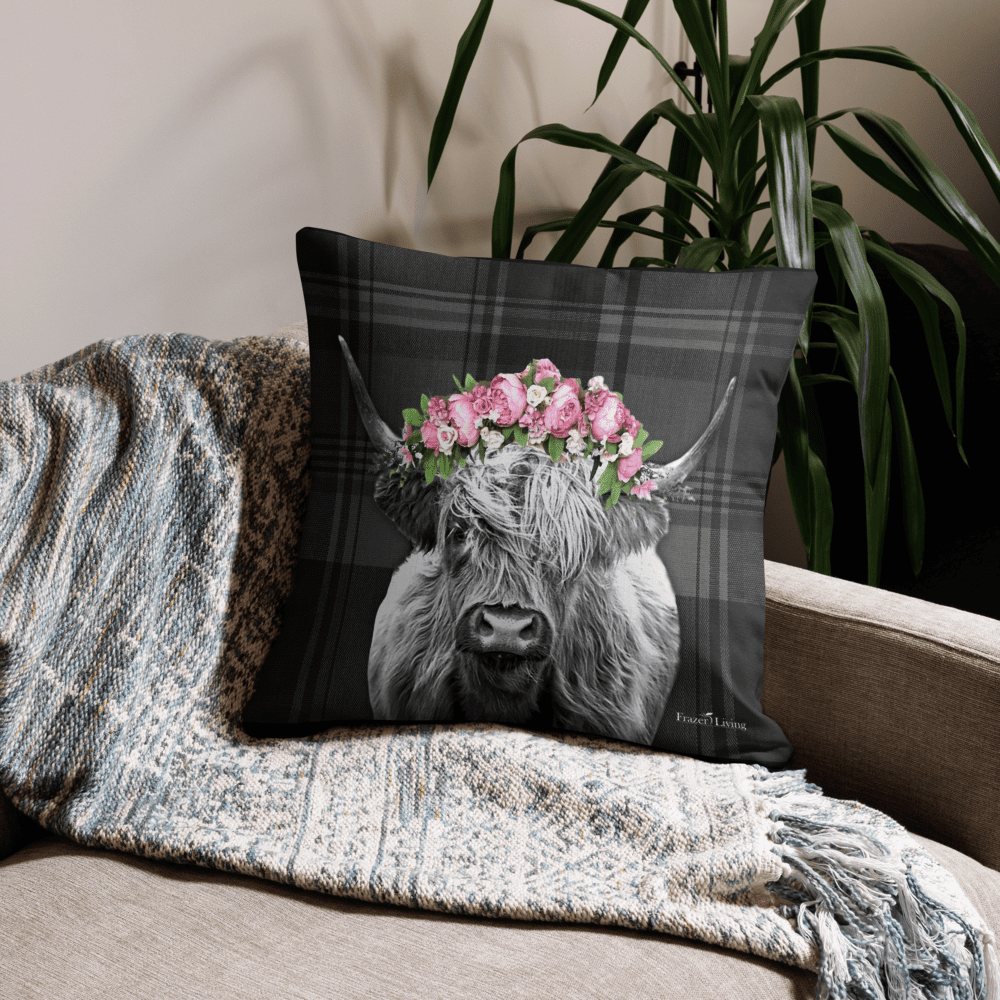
(151, 491)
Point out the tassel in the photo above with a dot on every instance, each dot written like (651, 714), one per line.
(879, 932)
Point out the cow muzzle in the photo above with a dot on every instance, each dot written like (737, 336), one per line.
(493, 628)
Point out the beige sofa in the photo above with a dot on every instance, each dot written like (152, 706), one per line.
(887, 699)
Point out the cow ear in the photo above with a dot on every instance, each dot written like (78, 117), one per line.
(411, 504)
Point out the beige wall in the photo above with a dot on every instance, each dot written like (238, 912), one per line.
(157, 158)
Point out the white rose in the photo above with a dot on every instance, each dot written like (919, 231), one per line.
(607, 457)
(536, 393)
(537, 434)
(575, 444)
(627, 445)
(596, 383)
(446, 437)
(494, 440)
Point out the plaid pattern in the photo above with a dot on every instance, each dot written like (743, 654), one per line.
(670, 341)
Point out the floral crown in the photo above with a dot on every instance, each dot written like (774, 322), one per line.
(537, 408)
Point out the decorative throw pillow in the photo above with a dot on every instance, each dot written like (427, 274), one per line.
(537, 498)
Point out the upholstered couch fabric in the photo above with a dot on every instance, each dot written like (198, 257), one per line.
(88, 923)
(890, 700)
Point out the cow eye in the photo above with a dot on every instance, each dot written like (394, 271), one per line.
(457, 534)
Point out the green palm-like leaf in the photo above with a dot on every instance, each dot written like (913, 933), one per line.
(807, 26)
(634, 9)
(913, 493)
(913, 279)
(965, 121)
(873, 363)
(787, 153)
(503, 212)
(593, 211)
(468, 46)
(808, 483)
(703, 254)
(931, 182)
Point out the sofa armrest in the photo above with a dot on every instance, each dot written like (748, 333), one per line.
(890, 700)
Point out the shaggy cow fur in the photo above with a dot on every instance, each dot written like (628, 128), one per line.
(520, 531)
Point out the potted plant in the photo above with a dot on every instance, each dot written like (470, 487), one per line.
(845, 339)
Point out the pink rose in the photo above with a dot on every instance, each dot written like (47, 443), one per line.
(407, 456)
(607, 417)
(583, 425)
(429, 434)
(463, 416)
(530, 418)
(545, 369)
(563, 410)
(481, 400)
(509, 399)
(437, 408)
(629, 465)
(407, 431)
(642, 490)
(630, 424)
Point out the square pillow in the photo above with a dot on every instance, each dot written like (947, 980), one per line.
(537, 498)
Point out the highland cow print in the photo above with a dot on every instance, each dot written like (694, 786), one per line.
(533, 594)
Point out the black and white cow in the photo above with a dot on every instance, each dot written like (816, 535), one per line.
(523, 599)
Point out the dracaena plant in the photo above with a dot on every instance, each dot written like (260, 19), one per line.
(844, 340)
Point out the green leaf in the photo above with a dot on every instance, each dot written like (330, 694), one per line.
(787, 155)
(807, 26)
(424, 402)
(650, 262)
(965, 121)
(877, 502)
(641, 436)
(549, 382)
(608, 478)
(633, 11)
(913, 493)
(556, 447)
(822, 191)
(685, 161)
(461, 388)
(621, 25)
(650, 448)
(430, 466)
(530, 232)
(918, 283)
(811, 380)
(593, 210)
(616, 492)
(503, 211)
(444, 465)
(460, 456)
(521, 436)
(470, 382)
(778, 17)
(873, 364)
(468, 46)
(413, 417)
(888, 176)
(703, 254)
(808, 483)
(932, 182)
(507, 431)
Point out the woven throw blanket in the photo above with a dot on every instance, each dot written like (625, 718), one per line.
(151, 491)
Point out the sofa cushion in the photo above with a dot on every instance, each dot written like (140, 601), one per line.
(90, 923)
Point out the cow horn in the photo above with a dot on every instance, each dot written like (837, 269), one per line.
(378, 430)
(674, 473)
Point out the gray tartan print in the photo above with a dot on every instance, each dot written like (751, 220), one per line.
(670, 341)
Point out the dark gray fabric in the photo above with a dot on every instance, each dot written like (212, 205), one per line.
(670, 341)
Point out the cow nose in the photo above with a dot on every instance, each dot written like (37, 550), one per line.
(493, 628)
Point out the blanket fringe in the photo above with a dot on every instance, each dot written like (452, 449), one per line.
(879, 932)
